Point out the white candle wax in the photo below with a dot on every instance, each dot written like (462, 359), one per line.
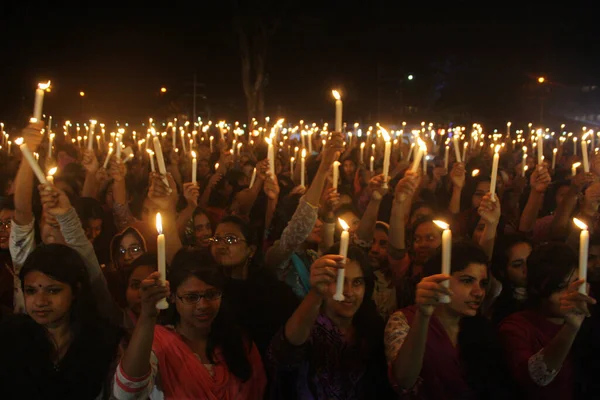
(118, 145)
(412, 147)
(446, 152)
(91, 135)
(584, 156)
(574, 168)
(110, 150)
(174, 138)
(446, 255)
(33, 164)
(309, 140)
(540, 148)
(362, 152)
(344, 241)
(161, 258)
(464, 154)
(494, 173)
(253, 177)
(194, 167)
(417, 160)
(302, 167)
(554, 158)
(211, 143)
(372, 164)
(39, 100)
(575, 146)
(151, 157)
(584, 242)
(456, 141)
(386, 163)
(50, 139)
(162, 169)
(524, 164)
(336, 174)
(338, 115)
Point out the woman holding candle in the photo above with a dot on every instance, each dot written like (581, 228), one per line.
(538, 341)
(203, 354)
(334, 347)
(447, 351)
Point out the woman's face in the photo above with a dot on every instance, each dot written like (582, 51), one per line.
(468, 287)
(197, 312)
(203, 168)
(552, 303)
(421, 212)
(352, 220)
(481, 190)
(234, 254)
(202, 230)
(378, 251)
(134, 299)
(354, 293)
(93, 228)
(130, 248)
(47, 301)
(428, 237)
(6, 217)
(315, 235)
(349, 169)
(516, 270)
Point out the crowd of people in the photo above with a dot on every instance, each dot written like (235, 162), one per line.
(253, 259)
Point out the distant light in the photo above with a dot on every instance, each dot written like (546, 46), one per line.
(163, 90)
(541, 79)
(82, 93)
(411, 77)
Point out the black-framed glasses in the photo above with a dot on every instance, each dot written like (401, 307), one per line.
(133, 249)
(5, 224)
(194, 298)
(228, 239)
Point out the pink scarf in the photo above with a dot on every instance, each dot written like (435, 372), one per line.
(183, 376)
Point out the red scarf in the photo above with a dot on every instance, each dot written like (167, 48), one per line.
(182, 375)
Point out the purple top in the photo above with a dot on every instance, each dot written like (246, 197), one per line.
(328, 366)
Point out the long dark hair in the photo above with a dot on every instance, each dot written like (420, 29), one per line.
(480, 350)
(368, 324)
(224, 334)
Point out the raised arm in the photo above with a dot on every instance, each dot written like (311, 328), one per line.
(165, 198)
(190, 193)
(32, 137)
(404, 193)
(457, 178)
(367, 223)
(91, 165)
(562, 217)
(540, 179)
(490, 215)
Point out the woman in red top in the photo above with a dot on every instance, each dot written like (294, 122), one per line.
(538, 340)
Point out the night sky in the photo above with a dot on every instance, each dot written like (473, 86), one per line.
(481, 56)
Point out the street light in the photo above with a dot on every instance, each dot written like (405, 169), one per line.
(541, 79)
(411, 77)
(82, 93)
(163, 90)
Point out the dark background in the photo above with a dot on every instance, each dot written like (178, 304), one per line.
(470, 60)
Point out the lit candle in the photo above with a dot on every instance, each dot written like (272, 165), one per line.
(336, 174)
(50, 176)
(151, 157)
(418, 154)
(540, 147)
(210, 142)
(524, 164)
(183, 141)
(292, 159)
(91, 134)
(412, 147)
(50, 140)
(456, 140)
(271, 156)
(110, 150)
(446, 255)
(372, 163)
(584, 154)
(554, 157)
(32, 163)
(253, 178)
(302, 166)
(584, 242)
(309, 140)
(39, 101)
(446, 157)
(338, 110)
(494, 172)
(575, 145)
(174, 136)
(161, 258)
(194, 167)
(216, 166)
(362, 152)
(386, 157)
(344, 241)
(239, 148)
(118, 145)
(574, 168)
(464, 154)
(162, 169)
(508, 124)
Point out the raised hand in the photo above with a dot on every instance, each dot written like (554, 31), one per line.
(32, 135)
(376, 185)
(90, 162)
(54, 200)
(271, 187)
(117, 170)
(332, 200)
(164, 197)
(540, 179)
(332, 151)
(407, 186)
(490, 210)
(457, 175)
(323, 273)
(574, 305)
(152, 290)
(191, 191)
(429, 291)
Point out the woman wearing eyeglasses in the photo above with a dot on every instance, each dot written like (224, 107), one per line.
(126, 247)
(202, 355)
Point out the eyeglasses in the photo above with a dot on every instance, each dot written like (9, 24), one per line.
(134, 249)
(5, 224)
(194, 298)
(228, 240)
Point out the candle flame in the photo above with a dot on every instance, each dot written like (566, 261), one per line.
(216, 166)
(159, 223)
(303, 153)
(147, 150)
(580, 224)
(336, 94)
(443, 225)
(93, 121)
(44, 86)
(362, 145)
(343, 224)
(52, 171)
(385, 134)
(193, 154)
(19, 141)
(497, 149)
(576, 165)
(475, 172)
(555, 150)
